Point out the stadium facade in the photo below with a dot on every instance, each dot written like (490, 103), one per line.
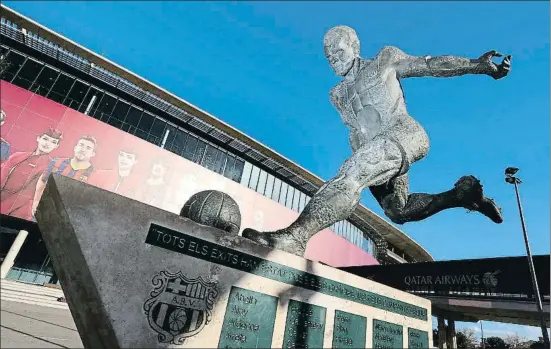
(68, 110)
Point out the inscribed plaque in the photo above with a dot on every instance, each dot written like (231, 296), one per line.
(249, 320)
(418, 338)
(387, 335)
(205, 250)
(305, 325)
(349, 330)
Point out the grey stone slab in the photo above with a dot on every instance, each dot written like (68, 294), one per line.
(137, 276)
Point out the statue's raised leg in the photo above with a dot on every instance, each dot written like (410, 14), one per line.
(373, 164)
(401, 206)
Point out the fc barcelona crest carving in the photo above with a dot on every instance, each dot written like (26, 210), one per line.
(179, 307)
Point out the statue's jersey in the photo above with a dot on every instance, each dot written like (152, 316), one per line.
(370, 104)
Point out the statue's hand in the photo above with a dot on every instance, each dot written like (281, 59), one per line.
(496, 71)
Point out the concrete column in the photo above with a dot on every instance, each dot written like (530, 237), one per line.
(12, 253)
(451, 338)
(441, 333)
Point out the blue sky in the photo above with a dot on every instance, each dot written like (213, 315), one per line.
(260, 67)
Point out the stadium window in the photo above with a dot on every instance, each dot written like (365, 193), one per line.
(191, 146)
(296, 200)
(180, 139)
(158, 128)
(171, 134)
(117, 118)
(269, 186)
(354, 237)
(359, 238)
(121, 110)
(253, 182)
(144, 125)
(344, 230)
(92, 91)
(27, 74)
(199, 151)
(353, 229)
(370, 246)
(302, 202)
(276, 190)
(170, 144)
(221, 161)
(45, 81)
(290, 194)
(347, 228)
(365, 245)
(76, 95)
(154, 139)
(95, 105)
(230, 163)
(61, 88)
(104, 107)
(247, 169)
(133, 119)
(209, 160)
(262, 182)
(173, 149)
(15, 61)
(115, 122)
(283, 193)
(141, 134)
(237, 170)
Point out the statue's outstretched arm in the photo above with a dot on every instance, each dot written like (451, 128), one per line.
(408, 66)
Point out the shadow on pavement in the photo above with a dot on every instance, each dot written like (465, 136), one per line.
(35, 337)
(32, 318)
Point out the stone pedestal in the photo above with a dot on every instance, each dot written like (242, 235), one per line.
(137, 276)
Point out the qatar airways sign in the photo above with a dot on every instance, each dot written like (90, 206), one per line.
(487, 280)
(500, 275)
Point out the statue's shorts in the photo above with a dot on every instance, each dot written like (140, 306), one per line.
(404, 166)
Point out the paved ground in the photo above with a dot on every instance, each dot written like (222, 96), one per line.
(30, 326)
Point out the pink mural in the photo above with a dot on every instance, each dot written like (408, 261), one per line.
(40, 137)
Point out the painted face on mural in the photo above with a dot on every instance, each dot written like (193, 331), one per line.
(84, 150)
(126, 161)
(46, 144)
(158, 170)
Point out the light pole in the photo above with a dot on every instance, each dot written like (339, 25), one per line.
(511, 179)
(482, 335)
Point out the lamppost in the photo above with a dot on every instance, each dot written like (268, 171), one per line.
(482, 335)
(511, 179)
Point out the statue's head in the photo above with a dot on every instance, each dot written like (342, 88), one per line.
(342, 47)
